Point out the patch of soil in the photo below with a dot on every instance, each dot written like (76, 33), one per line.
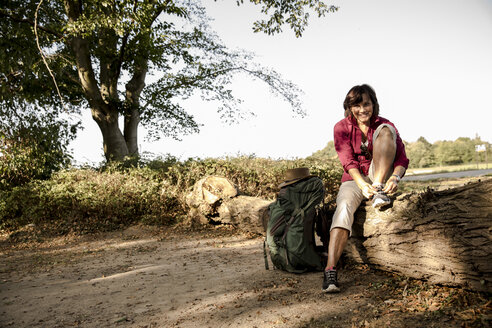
(163, 277)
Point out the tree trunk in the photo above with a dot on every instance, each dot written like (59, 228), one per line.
(103, 97)
(134, 89)
(245, 212)
(132, 119)
(115, 148)
(443, 237)
(216, 200)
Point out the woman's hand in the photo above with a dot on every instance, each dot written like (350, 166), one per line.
(391, 185)
(367, 190)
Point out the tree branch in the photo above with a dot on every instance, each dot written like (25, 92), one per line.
(85, 70)
(43, 56)
(124, 42)
(3, 13)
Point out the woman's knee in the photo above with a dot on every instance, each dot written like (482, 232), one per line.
(385, 134)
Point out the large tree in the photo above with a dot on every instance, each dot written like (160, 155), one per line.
(99, 54)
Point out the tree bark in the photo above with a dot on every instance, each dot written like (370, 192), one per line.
(216, 200)
(443, 237)
(114, 144)
(132, 114)
(245, 212)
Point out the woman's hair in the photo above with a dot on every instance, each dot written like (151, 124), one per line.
(354, 97)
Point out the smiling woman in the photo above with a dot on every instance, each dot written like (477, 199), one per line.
(373, 158)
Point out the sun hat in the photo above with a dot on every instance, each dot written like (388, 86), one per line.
(295, 175)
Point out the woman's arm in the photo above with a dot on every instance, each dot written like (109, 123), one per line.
(367, 190)
(342, 140)
(392, 183)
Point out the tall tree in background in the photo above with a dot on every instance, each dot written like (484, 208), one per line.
(445, 152)
(327, 153)
(101, 53)
(420, 153)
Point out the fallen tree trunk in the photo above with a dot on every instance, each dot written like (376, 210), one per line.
(245, 212)
(443, 237)
(216, 200)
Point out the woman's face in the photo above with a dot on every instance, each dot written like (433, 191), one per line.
(363, 111)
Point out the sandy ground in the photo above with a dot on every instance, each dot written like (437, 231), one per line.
(149, 277)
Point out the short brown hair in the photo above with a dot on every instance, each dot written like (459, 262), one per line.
(354, 97)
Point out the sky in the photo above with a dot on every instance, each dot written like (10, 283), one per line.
(429, 61)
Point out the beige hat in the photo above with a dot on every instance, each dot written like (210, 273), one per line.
(295, 175)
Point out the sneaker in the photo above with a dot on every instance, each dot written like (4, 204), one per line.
(330, 282)
(380, 199)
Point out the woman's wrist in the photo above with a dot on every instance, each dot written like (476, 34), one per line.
(361, 183)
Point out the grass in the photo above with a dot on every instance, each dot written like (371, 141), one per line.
(445, 169)
(438, 184)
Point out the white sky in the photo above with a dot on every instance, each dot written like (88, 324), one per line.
(429, 61)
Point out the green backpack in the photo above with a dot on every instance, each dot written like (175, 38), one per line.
(290, 229)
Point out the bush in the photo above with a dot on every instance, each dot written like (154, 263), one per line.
(33, 151)
(87, 200)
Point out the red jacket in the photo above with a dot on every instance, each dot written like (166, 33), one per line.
(348, 138)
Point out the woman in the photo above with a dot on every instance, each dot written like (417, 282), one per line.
(373, 159)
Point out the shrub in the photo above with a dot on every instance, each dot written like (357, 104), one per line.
(253, 176)
(86, 200)
(32, 150)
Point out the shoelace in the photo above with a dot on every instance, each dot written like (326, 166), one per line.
(332, 275)
(379, 189)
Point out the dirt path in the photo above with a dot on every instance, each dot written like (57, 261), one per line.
(146, 277)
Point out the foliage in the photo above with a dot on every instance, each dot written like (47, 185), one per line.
(257, 177)
(294, 13)
(328, 152)
(461, 151)
(85, 200)
(33, 145)
(101, 53)
(422, 153)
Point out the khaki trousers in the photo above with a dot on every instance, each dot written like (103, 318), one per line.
(350, 196)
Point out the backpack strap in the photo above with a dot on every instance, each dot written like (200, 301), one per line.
(284, 237)
(309, 204)
(265, 256)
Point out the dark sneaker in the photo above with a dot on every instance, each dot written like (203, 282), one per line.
(380, 199)
(330, 282)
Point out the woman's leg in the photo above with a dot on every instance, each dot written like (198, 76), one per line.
(383, 154)
(338, 241)
(348, 200)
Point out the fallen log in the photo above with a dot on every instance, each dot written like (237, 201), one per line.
(443, 237)
(216, 200)
(244, 212)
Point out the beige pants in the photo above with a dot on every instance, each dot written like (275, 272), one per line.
(350, 196)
